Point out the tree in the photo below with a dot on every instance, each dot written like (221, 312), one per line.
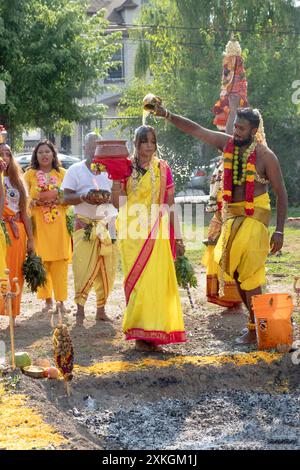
(185, 40)
(52, 56)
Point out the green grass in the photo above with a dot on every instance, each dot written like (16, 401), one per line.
(285, 266)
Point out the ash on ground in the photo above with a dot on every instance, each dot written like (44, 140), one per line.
(232, 420)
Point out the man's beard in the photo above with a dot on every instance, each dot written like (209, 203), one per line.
(242, 143)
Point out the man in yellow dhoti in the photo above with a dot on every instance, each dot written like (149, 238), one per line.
(153, 314)
(95, 255)
(249, 165)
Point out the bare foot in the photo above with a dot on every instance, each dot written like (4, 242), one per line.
(16, 323)
(79, 315)
(101, 315)
(247, 338)
(141, 345)
(61, 306)
(232, 310)
(156, 348)
(48, 306)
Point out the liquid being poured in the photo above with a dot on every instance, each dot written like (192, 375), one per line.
(145, 115)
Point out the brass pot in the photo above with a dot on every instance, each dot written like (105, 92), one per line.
(150, 102)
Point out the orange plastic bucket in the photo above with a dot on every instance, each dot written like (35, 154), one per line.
(273, 320)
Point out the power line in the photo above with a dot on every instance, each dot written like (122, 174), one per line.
(201, 45)
(130, 26)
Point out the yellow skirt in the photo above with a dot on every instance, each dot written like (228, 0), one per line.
(249, 249)
(153, 311)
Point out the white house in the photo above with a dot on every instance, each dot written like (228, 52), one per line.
(121, 14)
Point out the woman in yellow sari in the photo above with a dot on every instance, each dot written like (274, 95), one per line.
(153, 315)
(51, 238)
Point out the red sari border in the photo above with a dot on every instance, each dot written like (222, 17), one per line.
(146, 251)
(157, 337)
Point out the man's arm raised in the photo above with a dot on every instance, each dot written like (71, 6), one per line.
(213, 138)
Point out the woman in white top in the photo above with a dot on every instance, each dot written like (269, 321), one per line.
(17, 223)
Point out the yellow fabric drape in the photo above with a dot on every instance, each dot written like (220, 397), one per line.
(153, 311)
(15, 257)
(94, 263)
(249, 249)
(52, 240)
(231, 297)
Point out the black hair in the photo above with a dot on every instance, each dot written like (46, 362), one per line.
(140, 135)
(250, 115)
(34, 160)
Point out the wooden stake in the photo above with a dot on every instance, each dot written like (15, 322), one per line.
(8, 303)
(190, 297)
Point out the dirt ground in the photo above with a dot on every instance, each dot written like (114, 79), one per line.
(196, 392)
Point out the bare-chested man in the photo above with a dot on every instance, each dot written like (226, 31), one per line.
(246, 238)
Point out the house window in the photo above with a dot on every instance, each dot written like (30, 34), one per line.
(116, 73)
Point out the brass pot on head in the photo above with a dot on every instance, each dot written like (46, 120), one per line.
(150, 102)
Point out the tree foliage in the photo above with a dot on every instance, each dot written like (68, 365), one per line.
(52, 56)
(186, 41)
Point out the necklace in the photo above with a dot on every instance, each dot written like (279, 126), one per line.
(230, 176)
(240, 164)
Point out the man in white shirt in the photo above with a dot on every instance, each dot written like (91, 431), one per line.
(95, 256)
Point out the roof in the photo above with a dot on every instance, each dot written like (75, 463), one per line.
(96, 5)
(114, 8)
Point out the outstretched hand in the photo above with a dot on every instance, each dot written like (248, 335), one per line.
(160, 110)
(276, 242)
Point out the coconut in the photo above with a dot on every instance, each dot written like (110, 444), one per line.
(22, 359)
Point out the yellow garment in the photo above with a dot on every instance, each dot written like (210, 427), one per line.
(94, 263)
(52, 240)
(2, 254)
(153, 311)
(2, 263)
(231, 296)
(249, 249)
(57, 276)
(15, 257)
